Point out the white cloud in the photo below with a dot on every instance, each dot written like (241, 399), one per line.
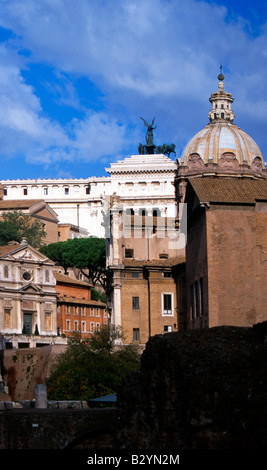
(98, 135)
(147, 56)
(151, 47)
(25, 129)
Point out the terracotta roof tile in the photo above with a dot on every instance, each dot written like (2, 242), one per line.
(76, 300)
(69, 280)
(5, 249)
(229, 190)
(19, 203)
(169, 262)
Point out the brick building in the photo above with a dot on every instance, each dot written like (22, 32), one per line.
(145, 257)
(149, 296)
(222, 178)
(76, 311)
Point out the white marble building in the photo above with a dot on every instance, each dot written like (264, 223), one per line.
(143, 182)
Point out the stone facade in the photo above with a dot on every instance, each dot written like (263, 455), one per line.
(142, 181)
(28, 298)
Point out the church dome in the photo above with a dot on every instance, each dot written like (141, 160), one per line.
(218, 139)
(221, 146)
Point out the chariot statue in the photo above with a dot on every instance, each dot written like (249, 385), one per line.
(149, 147)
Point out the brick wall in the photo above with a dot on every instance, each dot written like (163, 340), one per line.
(227, 251)
(148, 318)
(237, 274)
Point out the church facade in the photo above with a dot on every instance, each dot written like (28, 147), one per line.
(28, 297)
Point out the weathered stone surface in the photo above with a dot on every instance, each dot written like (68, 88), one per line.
(203, 389)
(25, 368)
(57, 429)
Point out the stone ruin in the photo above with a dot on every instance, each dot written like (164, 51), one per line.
(203, 389)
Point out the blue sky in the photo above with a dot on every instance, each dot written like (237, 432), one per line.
(76, 75)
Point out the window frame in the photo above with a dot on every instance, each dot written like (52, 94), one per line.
(163, 309)
(136, 334)
(6, 271)
(135, 302)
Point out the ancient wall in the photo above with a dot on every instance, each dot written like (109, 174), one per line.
(198, 389)
(201, 389)
(57, 429)
(23, 368)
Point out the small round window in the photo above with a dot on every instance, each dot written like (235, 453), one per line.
(26, 275)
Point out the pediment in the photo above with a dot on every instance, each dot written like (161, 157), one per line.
(44, 212)
(28, 253)
(31, 289)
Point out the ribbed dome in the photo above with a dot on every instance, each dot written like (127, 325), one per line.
(222, 147)
(219, 138)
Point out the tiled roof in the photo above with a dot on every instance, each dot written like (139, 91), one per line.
(229, 190)
(69, 280)
(76, 300)
(169, 262)
(19, 203)
(5, 249)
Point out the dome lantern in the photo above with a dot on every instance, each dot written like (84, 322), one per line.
(222, 148)
(221, 103)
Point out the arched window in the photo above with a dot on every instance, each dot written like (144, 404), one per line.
(6, 271)
(142, 212)
(129, 211)
(156, 212)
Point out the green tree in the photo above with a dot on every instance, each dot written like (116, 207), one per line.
(59, 253)
(92, 368)
(87, 254)
(98, 295)
(15, 225)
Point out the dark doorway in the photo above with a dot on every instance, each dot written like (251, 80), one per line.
(28, 323)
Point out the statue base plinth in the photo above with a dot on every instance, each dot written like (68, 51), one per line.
(150, 149)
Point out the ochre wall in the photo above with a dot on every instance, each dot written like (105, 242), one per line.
(148, 318)
(196, 268)
(237, 272)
